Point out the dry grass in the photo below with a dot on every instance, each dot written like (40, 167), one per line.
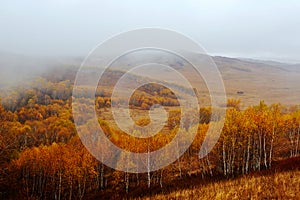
(284, 185)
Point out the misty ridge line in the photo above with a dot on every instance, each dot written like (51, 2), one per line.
(252, 77)
(16, 68)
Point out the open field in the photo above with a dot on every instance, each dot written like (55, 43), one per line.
(282, 185)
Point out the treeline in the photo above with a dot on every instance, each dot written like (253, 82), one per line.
(253, 138)
(43, 91)
(41, 156)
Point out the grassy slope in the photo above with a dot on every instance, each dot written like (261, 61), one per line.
(283, 185)
(281, 182)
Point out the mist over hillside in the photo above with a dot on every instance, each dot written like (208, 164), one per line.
(250, 80)
(17, 68)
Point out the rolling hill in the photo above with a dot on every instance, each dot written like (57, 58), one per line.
(247, 79)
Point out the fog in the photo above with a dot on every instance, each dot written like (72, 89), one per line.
(262, 29)
(35, 34)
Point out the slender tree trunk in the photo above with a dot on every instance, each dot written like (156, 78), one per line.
(102, 176)
(233, 156)
(148, 166)
(209, 166)
(178, 160)
(265, 150)
(26, 174)
(248, 154)
(33, 184)
(127, 181)
(297, 141)
(137, 179)
(243, 164)
(254, 154)
(224, 159)
(291, 137)
(271, 147)
(260, 151)
(71, 190)
(201, 163)
(161, 178)
(84, 187)
(59, 187)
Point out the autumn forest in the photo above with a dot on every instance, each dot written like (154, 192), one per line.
(42, 157)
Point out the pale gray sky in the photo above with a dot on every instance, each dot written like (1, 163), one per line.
(264, 29)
